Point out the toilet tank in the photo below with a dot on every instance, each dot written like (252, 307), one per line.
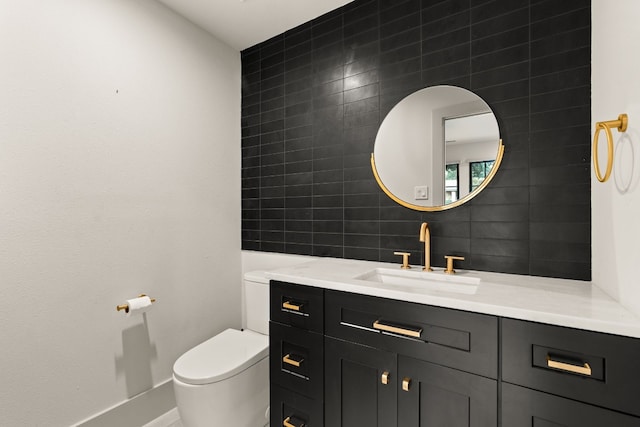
(256, 301)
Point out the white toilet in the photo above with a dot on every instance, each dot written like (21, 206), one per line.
(225, 380)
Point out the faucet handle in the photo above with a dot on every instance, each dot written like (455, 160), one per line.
(450, 259)
(405, 259)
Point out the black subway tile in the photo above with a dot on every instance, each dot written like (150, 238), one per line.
(312, 99)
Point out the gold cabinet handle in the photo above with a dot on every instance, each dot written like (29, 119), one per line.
(408, 331)
(294, 362)
(384, 378)
(290, 305)
(287, 423)
(406, 383)
(583, 369)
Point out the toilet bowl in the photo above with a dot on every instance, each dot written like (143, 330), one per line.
(225, 380)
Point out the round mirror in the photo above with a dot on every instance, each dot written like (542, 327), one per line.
(437, 148)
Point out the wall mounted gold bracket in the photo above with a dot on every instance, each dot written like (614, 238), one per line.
(620, 124)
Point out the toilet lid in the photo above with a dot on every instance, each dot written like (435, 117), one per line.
(223, 356)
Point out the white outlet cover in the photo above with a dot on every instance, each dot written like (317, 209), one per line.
(421, 192)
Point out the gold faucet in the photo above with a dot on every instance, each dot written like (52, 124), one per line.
(425, 236)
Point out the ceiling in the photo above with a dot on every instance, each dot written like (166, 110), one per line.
(244, 23)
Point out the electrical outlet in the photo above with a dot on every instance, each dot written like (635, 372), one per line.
(421, 192)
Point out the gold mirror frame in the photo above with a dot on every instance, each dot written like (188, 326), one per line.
(458, 202)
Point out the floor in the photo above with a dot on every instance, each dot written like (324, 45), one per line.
(170, 419)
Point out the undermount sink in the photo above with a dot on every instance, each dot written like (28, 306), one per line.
(416, 280)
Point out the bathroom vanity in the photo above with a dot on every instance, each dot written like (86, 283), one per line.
(349, 349)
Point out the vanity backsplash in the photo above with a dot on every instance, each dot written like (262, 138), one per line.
(314, 97)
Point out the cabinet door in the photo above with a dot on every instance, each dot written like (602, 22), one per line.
(522, 407)
(435, 396)
(360, 385)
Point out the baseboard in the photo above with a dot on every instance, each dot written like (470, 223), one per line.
(138, 410)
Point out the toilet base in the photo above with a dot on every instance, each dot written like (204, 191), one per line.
(241, 400)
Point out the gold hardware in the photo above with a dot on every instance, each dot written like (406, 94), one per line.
(584, 369)
(406, 383)
(125, 307)
(450, 259)
(459, 202)
(287, 422)
(620, 124)
(425, 236)
(295, 362)
(384, 378)
(290, 305)
(415, 333)
(405, 259)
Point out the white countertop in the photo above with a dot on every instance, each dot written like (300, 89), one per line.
(570, 303)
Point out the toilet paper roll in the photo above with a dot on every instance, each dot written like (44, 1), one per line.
(138, 305)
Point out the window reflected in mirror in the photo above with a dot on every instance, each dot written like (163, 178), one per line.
(451, 183)
(469, 140)
(478, 171)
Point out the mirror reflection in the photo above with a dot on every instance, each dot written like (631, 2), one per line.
(437, 148)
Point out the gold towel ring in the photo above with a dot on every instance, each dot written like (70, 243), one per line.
(621, 125)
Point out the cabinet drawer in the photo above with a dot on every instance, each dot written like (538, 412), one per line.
(296, 359)
(458, 339)
(522, 407)
(592, 367)
(297, 305)
(291, 409)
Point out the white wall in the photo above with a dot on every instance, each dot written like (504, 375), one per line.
(403, 147)
(119, 174)
(616, 203)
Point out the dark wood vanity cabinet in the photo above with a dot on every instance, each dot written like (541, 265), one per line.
(557, 376)
(296, 355)
(369, 387)
(344, 359)
(410, 365)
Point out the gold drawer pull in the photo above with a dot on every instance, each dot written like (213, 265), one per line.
(290, 305)
(287, 422)
(291, 361)
(413, 332)
(406, 383)
(384, 378)
(583, 369)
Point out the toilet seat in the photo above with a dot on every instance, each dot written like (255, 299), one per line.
(221, 357)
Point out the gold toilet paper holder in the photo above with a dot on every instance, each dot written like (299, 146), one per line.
(125, 307)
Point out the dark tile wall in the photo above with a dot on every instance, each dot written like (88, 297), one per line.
(313, 98)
